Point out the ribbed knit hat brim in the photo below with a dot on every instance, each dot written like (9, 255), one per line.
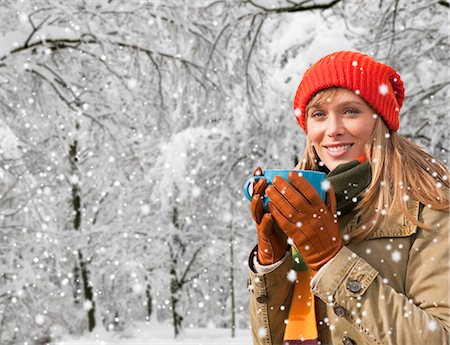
(378, 84)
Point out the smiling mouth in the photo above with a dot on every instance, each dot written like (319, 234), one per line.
(338, 148)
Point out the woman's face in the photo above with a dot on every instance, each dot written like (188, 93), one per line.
(339, 127)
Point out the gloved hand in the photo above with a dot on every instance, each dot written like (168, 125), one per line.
(272, 242)
(302, 215)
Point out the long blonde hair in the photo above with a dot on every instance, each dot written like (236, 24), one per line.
(401, 170)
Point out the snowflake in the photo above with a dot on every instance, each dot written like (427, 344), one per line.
(137, 288)
(326, 185)
(39, 319)
(383, 89)
(145, 209)
(196, 191)
(87, 305)
(292, 276)
(132, 83)
(262, 332)
(23, 17)
(227, 217)
(432, 325)
(396, 256)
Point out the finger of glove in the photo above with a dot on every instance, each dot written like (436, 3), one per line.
(282, 204)
(284, 223)
(305, 188)
(265, 228)
(257, 208)
(257, 171)
(331, 200)
(290, 193)
(260, 186)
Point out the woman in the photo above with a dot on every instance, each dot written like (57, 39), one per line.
(377, 250)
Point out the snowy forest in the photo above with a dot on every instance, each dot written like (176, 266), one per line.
(128, 129)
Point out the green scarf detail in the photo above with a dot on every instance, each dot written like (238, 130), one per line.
(349, 181)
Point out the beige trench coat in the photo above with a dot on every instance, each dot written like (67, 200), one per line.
(391, 289)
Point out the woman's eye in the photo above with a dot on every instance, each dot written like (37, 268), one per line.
(317, 114)
(351, 111)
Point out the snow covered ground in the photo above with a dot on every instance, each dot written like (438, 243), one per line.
(161, 334)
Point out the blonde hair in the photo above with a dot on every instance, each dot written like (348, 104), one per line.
(401, 170)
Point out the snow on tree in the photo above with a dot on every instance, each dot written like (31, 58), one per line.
(128, 129)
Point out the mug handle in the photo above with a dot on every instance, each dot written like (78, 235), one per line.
(248, 183)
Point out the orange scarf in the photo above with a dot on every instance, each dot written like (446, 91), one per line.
(301, 328)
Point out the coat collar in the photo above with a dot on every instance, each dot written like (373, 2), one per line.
(396, 226)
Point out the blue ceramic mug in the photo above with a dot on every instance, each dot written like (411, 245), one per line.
(315, 178)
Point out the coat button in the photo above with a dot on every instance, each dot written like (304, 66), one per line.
(354, 286)
(339, 311)
(263, 299)
(348, 341)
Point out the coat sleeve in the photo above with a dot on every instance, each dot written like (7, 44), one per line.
(270, 299)
(381, 314)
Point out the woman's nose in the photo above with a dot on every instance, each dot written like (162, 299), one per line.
(335, 126)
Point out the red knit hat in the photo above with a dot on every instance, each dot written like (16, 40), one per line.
(378, 84)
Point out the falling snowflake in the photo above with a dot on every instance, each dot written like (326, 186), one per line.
(297, 112)
(145, 209)
(196, 191)
(262, 332)
(396, 256)
(39, 319)
(23, 17)
(132, 83)
(227, 217)
(292, 276)
(137, 288)
(383, 89)
(326, 185)
(87, 305)
(432, 325)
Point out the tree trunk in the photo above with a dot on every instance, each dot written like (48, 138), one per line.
(233, 300)
(148, 294)
(88, 293)
(82, 263)
(175, 288)
(77, 284)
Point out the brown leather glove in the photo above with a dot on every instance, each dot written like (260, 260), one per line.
(304, 217)
(272, 242)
